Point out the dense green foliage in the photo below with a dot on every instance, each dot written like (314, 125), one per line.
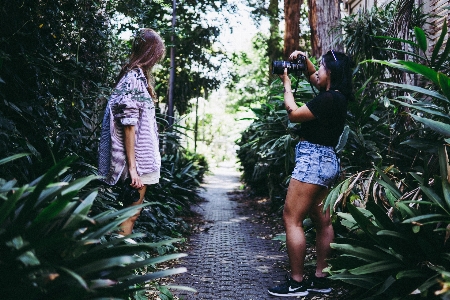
(59, 60)
(52, 247)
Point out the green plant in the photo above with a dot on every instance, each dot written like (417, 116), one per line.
(51, 247)
(376, 254)
(392, 211)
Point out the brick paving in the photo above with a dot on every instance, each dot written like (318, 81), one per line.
(229, 259)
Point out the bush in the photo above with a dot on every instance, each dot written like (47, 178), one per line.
(51, 247)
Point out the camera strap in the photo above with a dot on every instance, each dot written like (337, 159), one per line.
(309, 81)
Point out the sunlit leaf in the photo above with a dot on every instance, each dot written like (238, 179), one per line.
(421, 39)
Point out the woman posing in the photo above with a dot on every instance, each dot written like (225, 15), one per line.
(129, 145)
(317, 167)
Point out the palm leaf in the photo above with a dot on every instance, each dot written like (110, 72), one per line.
(439, 127)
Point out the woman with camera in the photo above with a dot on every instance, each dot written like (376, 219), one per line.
(317, 167)
(129, 144)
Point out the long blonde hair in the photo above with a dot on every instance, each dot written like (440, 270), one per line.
(147, 50)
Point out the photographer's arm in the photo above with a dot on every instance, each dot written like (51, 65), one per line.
(296, 114)
(129, 140)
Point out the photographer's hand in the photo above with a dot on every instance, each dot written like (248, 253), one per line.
(286, 80)
(310, 68)
(296, 53)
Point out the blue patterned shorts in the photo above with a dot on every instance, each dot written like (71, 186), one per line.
(315, 164)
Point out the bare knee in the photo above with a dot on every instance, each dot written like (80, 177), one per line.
(291, 220)
(320, 219)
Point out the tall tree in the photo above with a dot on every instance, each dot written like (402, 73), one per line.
(323, 16)
(273, 44)
(292, 26)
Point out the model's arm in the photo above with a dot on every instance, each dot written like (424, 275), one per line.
(129, 136)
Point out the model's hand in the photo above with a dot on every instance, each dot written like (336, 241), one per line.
(135, 179)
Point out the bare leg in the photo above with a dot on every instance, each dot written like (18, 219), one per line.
(127, 225)
(299, 200)
(324, 234)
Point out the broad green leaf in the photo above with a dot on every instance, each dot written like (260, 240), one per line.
(406, 211)
(444, 54)
(393, 234)
(392, 64)
(418, 90)
(104, 264)
(400, 51)
(433, 196)
(414, 273)
(380, 215)
(419, 219)
(376, 267)
(364, 281)
(386, 182)
(397, 40)
(77, 277)
(439, 42)
(444, 83)
(365, 224)
(9, 205)
(333, 196)
(148, 277)
(13, 157)
(420, 69)
(29, 259)
(444, 167)
(143, 263)
(343, 139)
(421, 39)
(109, 215)
(78, 184)
(439, 127)
(51, 174)
(359, 92)
(82, 210)
(432, 281)
(360, 252)
(53, 209)
(386, 285)
(424, 108)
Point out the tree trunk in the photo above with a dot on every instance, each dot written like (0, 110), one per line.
(273, 44)
(292, 26)
(323, 16)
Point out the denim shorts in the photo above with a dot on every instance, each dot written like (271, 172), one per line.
(315, 164)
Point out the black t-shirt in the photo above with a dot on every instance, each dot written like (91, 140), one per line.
(330, 110)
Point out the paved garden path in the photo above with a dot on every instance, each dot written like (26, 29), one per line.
(229, 259)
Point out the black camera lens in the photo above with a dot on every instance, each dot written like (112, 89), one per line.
(298, 65)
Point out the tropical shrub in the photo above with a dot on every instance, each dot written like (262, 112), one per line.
(52, 247)
(394, 210)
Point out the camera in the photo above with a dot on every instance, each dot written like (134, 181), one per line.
(128, 195)
(296, 66)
